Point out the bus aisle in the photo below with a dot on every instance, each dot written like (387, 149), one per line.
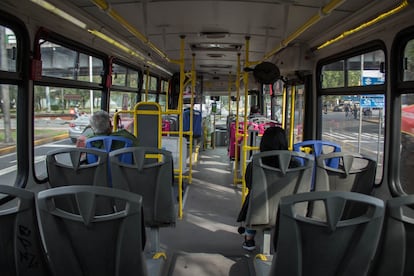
(206, 241)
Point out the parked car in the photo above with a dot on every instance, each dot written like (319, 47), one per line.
(77, 126)
(338, 108)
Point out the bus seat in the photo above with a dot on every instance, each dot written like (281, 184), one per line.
(396, 255)
(68, 166)
(331, 247)
(151, 177)
(149, 124)
(84, 243)
(317, 148)
(269, 184)
(355, 173)
(107, 144)
(20, 246)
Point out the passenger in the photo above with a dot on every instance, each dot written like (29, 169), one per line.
(254, 111)
(101, 125)
(274, 138)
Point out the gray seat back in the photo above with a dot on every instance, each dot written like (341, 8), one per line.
(355, 173)
(68, 166)
(149, 124)
(84, 243)
(270, 183)
(331, 247)
(396, 256)
(149, 176)
(20, 248)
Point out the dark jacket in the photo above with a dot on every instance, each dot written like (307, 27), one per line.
(248, 178)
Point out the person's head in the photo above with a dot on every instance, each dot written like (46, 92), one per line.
(101, 123)
(254, 109)
(274, 138)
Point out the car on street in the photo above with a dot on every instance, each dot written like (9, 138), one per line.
(77, 126)
(338, 108)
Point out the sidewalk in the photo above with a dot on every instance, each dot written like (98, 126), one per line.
(5, 149)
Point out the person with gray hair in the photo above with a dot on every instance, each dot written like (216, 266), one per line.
(101, 125)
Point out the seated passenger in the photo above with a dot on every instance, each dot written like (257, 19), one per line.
(274, 138)
(101, 125)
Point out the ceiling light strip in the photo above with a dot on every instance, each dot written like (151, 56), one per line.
(102, 4)
(117, 44)
(60, 13)
(326, 10)
(377, 19)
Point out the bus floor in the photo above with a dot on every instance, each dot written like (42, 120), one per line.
(205, 241)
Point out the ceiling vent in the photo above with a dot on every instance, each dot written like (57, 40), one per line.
(227, 47)
(219, 66)
(214, 35)
(216, 55)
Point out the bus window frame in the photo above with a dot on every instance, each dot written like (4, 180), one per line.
(398, 88)
(378, 89)
(24, 135)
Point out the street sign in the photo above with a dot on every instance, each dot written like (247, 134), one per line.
(372, 101)
(372, 81)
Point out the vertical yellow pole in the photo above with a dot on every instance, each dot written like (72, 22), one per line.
(245, 136)
(292, 117)
(180, 131)
(236, 134)
(284, 101)
(146, 83)
(193, 80)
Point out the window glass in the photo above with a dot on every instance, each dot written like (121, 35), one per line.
(61, 112)
(8, 125)
(333, 75)
(366, 69)
(407, 142)
(120, 100)
(119, 74)
(164, 86)
(356, 123)
(8, 44)
(153, 84)
(151, 97)
(162, 101)
(61, 62)
(361, 70)
(409, 61)
(8, 103)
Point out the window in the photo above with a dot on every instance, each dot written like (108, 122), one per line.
(64, 102)
(356, 123)
(8, 99)
(8, 46)
(409, 61)
(355, 119)
(360, 70)
(61, 62)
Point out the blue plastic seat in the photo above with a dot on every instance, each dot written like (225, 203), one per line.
(106, 143)
(316, 147)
